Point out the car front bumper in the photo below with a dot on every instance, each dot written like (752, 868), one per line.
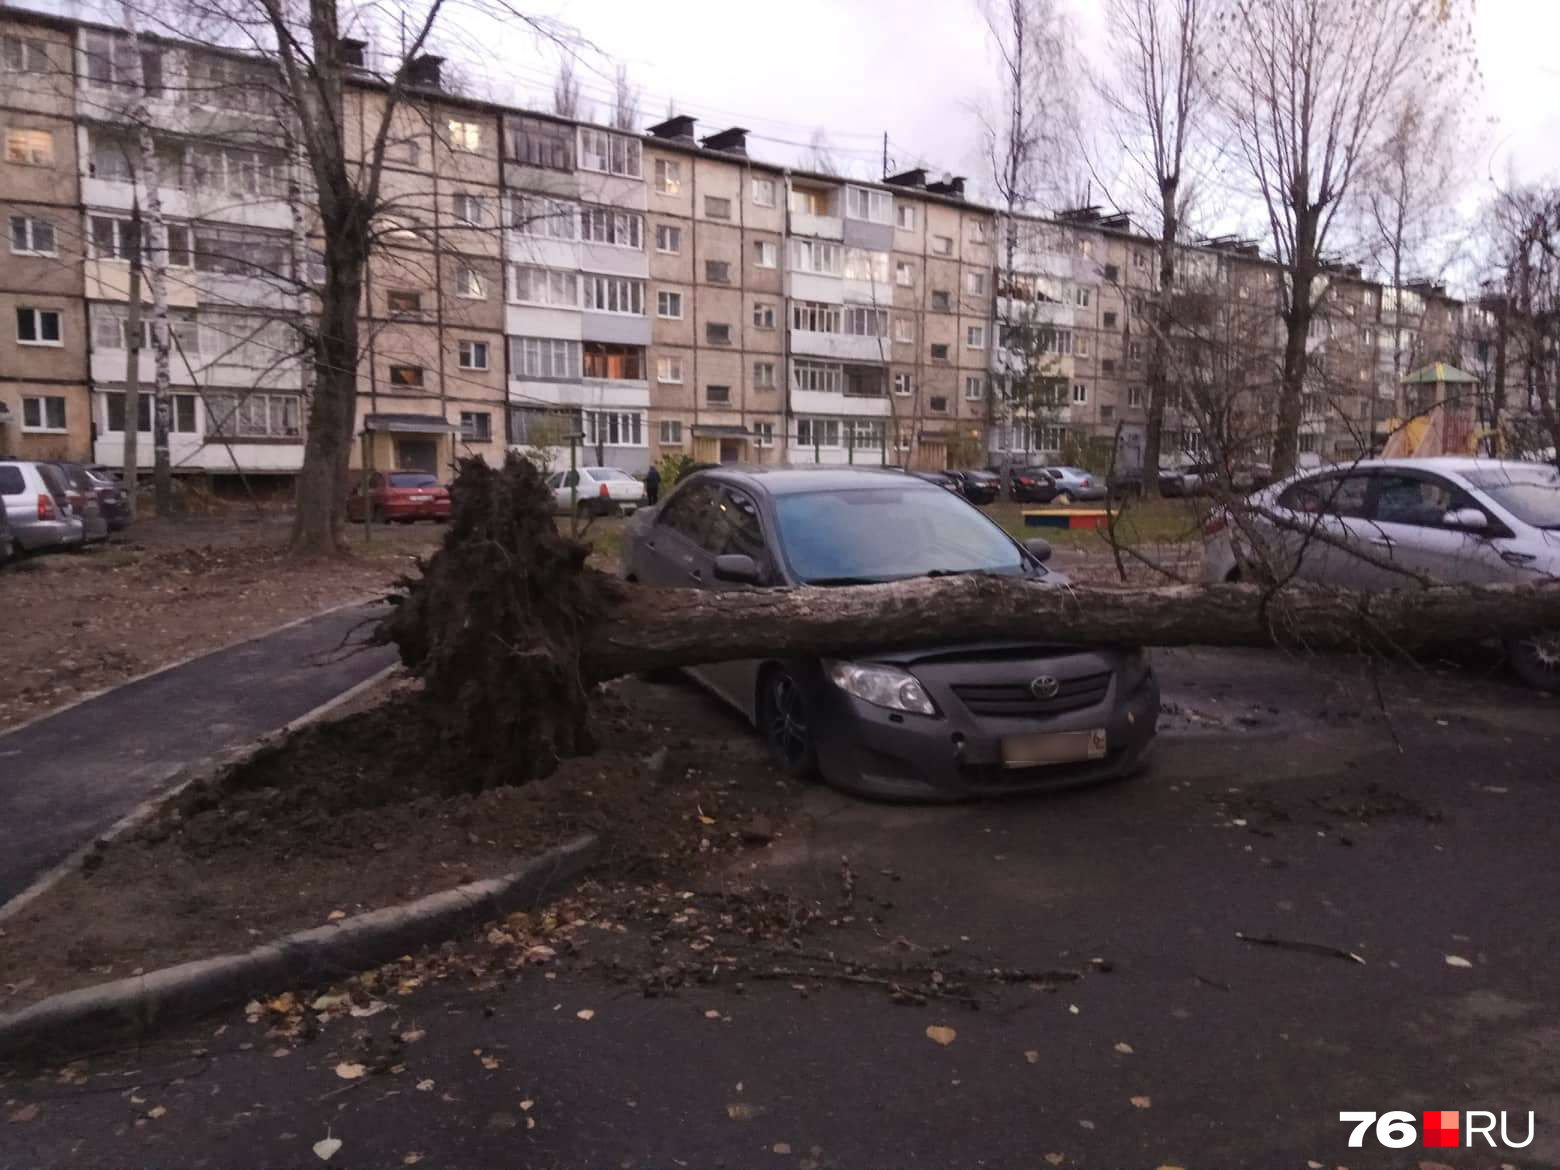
(886, 754)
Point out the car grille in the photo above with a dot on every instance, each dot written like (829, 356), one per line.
(1016, 701)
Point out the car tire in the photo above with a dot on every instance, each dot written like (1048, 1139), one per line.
(782, 719)
(1537, 660)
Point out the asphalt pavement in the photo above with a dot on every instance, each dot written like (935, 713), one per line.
(1389, 834)
(67, 777)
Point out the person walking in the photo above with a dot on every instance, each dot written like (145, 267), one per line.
(652, 485)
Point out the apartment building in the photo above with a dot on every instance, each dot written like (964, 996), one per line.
(538, 281)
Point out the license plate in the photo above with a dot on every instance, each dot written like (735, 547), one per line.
(1053, 747)
(419, 499)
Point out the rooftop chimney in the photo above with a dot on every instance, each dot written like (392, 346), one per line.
(352, 51)
(424, 71)
(951, 185)
(732, 141)
(676, 129)
(916, 177)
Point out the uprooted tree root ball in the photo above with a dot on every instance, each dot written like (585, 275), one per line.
(494, 623)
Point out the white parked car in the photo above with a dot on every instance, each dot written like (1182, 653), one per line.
(1458, 520)
(596, 491)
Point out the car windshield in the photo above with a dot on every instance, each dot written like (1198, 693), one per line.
(609, 473)
(887, 534)
(413, 479)
(1531, 494)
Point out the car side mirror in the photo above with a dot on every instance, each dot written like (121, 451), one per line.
(738, 568)
(1466, 519)
(1039, 549)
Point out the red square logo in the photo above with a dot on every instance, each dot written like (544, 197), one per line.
(1441, 1128)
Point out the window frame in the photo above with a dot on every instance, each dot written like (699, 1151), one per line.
(673, 232)
(669, 432)
(15, 139)
(467, 348)
(762, 183)
(974, 337)
(665, 296)
(665, 365)
(667, 176)
(766, 248)
(44, 403)
(483, 433)
(39, 314)
(764, 375)
(30, 225)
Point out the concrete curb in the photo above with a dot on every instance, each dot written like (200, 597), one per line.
(130, 1010)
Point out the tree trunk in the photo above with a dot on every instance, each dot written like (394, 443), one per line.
(1291, 390)
(130, 459)
(1158, 354)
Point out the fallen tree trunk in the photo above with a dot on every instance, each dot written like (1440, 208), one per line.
(508, 628)
(678, 627)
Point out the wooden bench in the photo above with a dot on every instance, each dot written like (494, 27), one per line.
(1072, 518)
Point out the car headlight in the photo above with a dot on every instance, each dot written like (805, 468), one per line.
(882, 686)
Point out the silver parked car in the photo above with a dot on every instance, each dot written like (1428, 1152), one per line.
(1074, 483)
(1458, 520)
(37, 506)
(595, 491)
(936, 721)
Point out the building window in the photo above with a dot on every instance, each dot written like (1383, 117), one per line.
(939, 353)
(114, 239)
(873, 206)
(669, 369)
(864, 322)
(1080, 394)
(473, 355)
(811, 201)
(544, 359)
(406, 376)
(815, 317)
(668, 239)
(547, 219)
(821, 377)
(469, 209)
(717, 272)
(902, 384)
(1140, 261)
(541, 144)
(614, 294)
(763, 192)
(476, 426)
(975, 283)
(24, 55)
(669, 305)
(469, 283)
(32, 147)
(817, 256)
(978, 231)
(905, 214)
(1308, 444)
(671, 431)
(765, 254)
(942, 245)
(763, 375)
(614, 428)
(866, 265)
(403, 301)
(975, 337)
(904, 329)
(717, 207)
(818, 432)
(1134, 396)
(529, 285)
(941, 301)
(717, 395)
(668, 176)
(465, 136)
(252, 416)
(1112, 274)
(620, 229)
(937, 404)
(974, 388)
(1134, 351)
(610, 154)
(1081, 297)
(716, 333)
(38, 326)
(31, 236)
(614, 363)
(763, 434)
(1082, 348)
(1110, 320)
(181, 419)
(43, 413)
(763, 315)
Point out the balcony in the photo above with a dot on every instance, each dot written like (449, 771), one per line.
(825, 227)
(846, 347)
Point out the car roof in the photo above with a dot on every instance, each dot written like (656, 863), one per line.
(1455, 464)
(784, 480)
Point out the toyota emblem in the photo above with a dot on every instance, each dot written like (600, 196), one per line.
(1044, 687)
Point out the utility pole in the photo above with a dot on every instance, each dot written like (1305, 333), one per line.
(132, 432)
(885, 154)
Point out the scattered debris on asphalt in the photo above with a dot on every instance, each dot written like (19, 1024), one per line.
(1289, 944)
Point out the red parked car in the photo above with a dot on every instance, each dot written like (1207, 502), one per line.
(401, 495)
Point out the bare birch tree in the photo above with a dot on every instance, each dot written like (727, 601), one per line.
(568, 100)
(1309, 87)
(625, 101)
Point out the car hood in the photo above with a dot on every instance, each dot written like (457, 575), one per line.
(986, 652)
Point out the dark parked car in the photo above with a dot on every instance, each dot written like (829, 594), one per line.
(404, 496)
(941, 478)
(979, 487)
(112, 497)
(1033, 485)
(934, 722)
(7, 544)
(81, 490)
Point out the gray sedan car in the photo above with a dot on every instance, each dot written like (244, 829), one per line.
(1074, 483)
(37, 505)
(934, 722)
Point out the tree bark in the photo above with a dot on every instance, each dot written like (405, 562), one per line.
(658, 628)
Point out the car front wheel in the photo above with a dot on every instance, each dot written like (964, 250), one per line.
(1537, 660)
(783, 721)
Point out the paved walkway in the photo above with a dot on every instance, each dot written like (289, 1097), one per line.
(69, 776)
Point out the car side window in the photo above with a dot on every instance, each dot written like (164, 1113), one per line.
(570, 479)
(1328, 495)
(734, 526)
(688, 512)
(1405, 499)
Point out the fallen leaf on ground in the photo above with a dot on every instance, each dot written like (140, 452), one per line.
(425, 1086)
(1055, 1159)
(372, 1009)
(585, 1014)
(1087, 1124)
(156, 1111)
(1311, 1165)
(25, 1113)
(712, 1014)
(1032, 1056)
(940, 1035)
(782, 1147)
(348, 1071)
(1124, 1048)
(1168, 1166)
(743, 1111)
(411, 1159)
(526, 1104)
(335, 916)
(1072, 1009)
(490, 1062)
(1457, 961)
(1141, 1102)
(325, 1003)
(412, 1036)
(325, 1149)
